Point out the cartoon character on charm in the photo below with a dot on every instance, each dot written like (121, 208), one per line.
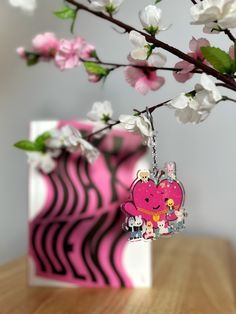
(171, 209)
(179, 224)
(171, 171)
(148, 232)
(143, 175)
(163, 228)
(129, 226)
(145, 202)
(138, 226)
(134, 226)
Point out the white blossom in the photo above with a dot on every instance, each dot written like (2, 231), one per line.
(141, 49)
(70, 138)
(66, 137)
(26, 5)
(157, 59)
(214, 14)
(185, 109)
(88, 150)
(195, 107)
(150, 18)
(101, 111)
(108, 6)
(207, 94)
(139, 124)
(42, 161)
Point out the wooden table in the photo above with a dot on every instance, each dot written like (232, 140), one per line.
(192, 275)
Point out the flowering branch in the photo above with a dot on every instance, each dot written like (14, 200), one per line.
(157, 43)
(111, 125)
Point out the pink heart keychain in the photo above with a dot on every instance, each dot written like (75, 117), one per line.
(155, 208)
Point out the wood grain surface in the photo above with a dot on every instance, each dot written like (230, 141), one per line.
(192, 275)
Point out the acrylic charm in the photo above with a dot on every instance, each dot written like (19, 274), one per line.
(155, 208)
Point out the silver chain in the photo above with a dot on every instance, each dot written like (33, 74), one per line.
(153, 145)
(154, 154)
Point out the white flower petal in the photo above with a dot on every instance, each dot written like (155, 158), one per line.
(150, 16)
(99, 110)
(209, 86)
(139, 124)
(144, 125)
(214, 14)
(139, 54)
(88, 151)
(41, 161)
(179, 102)
(137, 39)
(101, 5)
(157, 59)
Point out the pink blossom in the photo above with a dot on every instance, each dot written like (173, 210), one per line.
(45, 44)
(195, 47)
(67, 56)
(87, 51)
(231, 52)
(21, 52)
(93, 78)
(187, 68)
(143, 80)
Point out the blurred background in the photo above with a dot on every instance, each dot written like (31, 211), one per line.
(205, 153)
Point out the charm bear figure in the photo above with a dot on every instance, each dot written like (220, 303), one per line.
(155, 208)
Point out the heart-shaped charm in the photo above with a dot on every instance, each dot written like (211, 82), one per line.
(155, 208)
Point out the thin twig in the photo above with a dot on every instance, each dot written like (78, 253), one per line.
(225, 98)
(144, 67)
(157, 43)
(107, 127)
(229, 34)
(224, 85)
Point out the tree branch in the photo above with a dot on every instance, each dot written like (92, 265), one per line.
(157, 43)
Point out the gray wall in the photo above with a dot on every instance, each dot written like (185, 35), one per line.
(205, 154)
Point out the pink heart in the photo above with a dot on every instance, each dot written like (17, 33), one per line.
(150, 200)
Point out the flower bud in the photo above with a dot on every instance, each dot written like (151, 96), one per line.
(150, 18)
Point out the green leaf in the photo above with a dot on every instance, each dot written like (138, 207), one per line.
(219, 59)
(41, 139)
(94, 54)
(27, 145)
(65, 13)
(94, 68)
(157, 1)
(32, 58)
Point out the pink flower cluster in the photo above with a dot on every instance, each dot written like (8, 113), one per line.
(67, 54)
(187, 68)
